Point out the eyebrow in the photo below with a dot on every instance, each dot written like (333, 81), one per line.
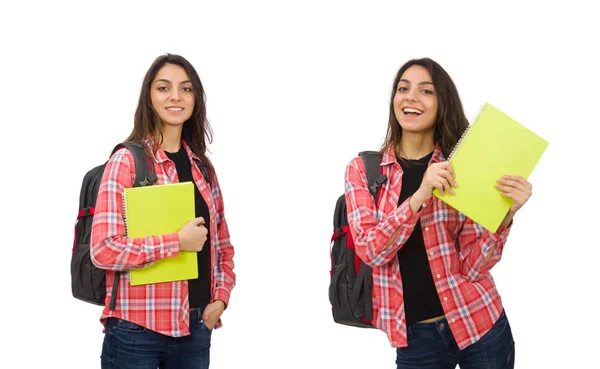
(167, 81)
(421, 83)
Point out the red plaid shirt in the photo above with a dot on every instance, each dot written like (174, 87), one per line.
(459, 251)
(162, 307)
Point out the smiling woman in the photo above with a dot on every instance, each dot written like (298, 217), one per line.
(432, 291)
(167, 325)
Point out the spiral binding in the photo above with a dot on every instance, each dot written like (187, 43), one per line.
(125, 223)
(125, 210)
(465, 133)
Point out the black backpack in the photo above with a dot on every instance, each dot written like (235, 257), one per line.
(88, 282)
(351, 284)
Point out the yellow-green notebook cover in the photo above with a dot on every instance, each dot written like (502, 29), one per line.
(492, 146)
(157, 210)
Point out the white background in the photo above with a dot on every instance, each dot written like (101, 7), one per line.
(294, 91)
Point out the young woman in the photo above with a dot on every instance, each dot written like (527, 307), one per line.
(432, 291)
(166, 325)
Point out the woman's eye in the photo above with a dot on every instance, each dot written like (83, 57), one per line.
(402, 89)
(162, 88)
(428, 92)
(187, 89)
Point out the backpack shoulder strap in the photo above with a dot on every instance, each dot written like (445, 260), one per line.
(144, 168)
(372, 161)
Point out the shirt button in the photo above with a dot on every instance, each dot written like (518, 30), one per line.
(431, 253)
(453, 320)
(438, 276)
(168, 253)
(424, 205)
(445, 299)
(404, 217)
(426, 229)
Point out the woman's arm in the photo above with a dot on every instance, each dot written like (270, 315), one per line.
(481, 249)
(376, 242)
(110, 247)
(226, 277)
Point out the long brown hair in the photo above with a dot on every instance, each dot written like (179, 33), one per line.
(450, 120)
(196, 132)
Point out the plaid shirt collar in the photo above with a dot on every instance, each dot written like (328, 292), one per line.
(160, 156)
(389, 156)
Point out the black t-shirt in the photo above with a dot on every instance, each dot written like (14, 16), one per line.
(199, 289)
(421, 300)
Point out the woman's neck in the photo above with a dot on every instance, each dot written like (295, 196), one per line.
(171, 138)
(413, 146)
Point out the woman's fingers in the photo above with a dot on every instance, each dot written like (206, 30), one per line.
(437, 183)
(515, 184)
(516, 181)
(449, 177)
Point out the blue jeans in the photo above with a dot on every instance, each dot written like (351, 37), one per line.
(431, 345)
(130, 346)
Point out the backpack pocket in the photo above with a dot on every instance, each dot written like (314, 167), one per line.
(88, 282)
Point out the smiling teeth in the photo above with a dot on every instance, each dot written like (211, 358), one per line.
(175, 109)
(409, 110)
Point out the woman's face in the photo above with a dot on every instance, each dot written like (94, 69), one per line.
(172, 95)
(415, 101)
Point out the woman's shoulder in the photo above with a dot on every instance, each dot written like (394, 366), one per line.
(355, 165)
(121, 167)
(122, 155)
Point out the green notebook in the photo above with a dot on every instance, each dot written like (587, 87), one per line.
(492, 146)
(157, 210)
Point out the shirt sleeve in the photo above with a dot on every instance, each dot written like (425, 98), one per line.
(110, 247)
(372, 237)
(226, 278)
(480, 249)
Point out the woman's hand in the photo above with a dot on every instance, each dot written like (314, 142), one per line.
(517, 189)
(438, 175)
(212, 313)
(192, 235)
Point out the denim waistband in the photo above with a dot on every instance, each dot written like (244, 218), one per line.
(439, 324)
